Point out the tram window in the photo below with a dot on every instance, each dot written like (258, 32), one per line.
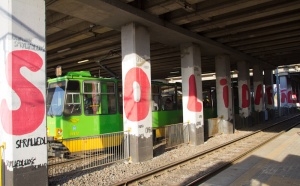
(73, 86)
(155, 89)
(91, 87)
(108, 98)
(120, 97)
(72, 98)
(72, 104)
(179, 97)
(91, 97)
(168, 103)
(155, 102)
(99, 97)
(168, 96)
(55, 98)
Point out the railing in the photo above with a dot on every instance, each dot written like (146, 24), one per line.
(175, 134)
(171, 136)
(88, 152)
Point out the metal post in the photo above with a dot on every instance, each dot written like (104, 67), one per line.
(2, 147)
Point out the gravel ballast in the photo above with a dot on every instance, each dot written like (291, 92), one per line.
(116, 172)
(122, 170)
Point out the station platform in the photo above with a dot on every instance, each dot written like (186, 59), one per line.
(275, 164)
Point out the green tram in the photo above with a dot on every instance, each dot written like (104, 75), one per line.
(79, 105)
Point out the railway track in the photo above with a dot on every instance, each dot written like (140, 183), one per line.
(199, 167)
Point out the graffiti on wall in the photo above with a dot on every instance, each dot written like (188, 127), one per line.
(194, 104)
(223, 82)
(258, 94)
(29, 116)
(269, 95)
(245, 96)
(30, 142)
(21, 163)
(287, 96)
(136, 94)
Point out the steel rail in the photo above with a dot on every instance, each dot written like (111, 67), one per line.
(222, 167)
(148, 175)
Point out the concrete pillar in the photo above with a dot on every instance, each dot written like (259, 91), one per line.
(192, 93)
(244, 115)
(22, 97)
(224, 93)
(259, 108)
(269, 94)
(136, 78)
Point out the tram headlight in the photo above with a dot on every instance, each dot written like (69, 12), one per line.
(59, 132)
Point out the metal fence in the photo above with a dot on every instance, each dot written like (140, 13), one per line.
(87, 152)
(175, 134)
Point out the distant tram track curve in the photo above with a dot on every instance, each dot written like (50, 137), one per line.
(199, 167)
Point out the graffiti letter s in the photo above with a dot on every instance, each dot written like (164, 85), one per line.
(31, 113)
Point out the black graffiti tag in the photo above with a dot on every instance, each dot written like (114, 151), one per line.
(31, 142)
(20, 163)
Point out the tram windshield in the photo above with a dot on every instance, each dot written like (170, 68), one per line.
(55, 98)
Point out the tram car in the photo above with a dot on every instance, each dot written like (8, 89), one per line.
(79, 105)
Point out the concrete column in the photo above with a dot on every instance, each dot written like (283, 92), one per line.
(224, 94)
(269, 93)
(259, 108)
(244, 119)
(136, 76)
(192, 93)
(22, 97)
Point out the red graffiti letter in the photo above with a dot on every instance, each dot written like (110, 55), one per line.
(283, 96)
(194, 104)
(258, 94)
(31, 113)
(245, 96)
(269, 92)
(225, 92)
(136, 110)
(289, 97)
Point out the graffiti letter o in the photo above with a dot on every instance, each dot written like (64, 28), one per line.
(136, 110)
